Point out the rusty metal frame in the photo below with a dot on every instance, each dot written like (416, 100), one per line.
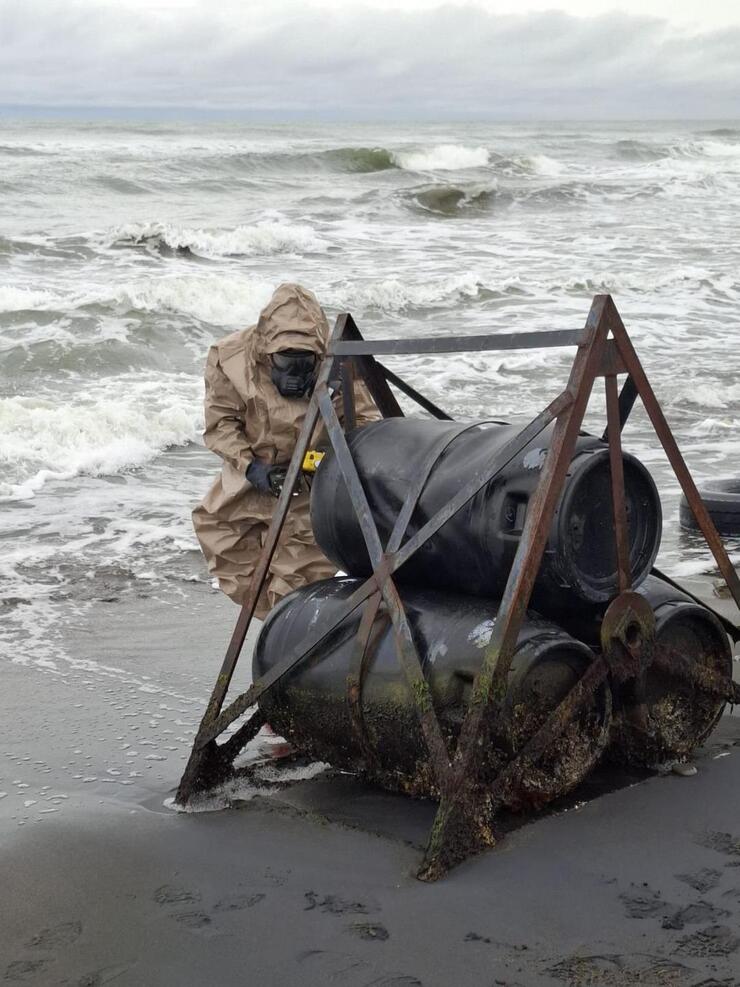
(464, 821)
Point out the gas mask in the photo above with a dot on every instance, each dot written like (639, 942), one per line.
(294, 372)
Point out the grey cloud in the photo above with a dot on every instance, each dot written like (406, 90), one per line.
(446, 62)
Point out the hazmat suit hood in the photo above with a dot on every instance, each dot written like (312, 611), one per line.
(292, 319)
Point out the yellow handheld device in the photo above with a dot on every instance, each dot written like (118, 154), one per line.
(311, 460)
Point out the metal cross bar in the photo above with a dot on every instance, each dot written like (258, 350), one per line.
(416, 489)
(627, 398)
(412, 393)
(616, 469)
(373, 376)
(348, 395)
(406, 646)
(356, 674)
(479, 480)
(699, 676)
(459, 344)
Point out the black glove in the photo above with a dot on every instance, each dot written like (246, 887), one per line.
(269, 479)
(258, 475)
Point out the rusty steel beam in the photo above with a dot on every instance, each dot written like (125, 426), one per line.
(616, 469)
(671, 662)
(405, 645)
(356, 675)
(417, 487)
(490, 681)
(370, 370)
(541, 507)
(479, 480)
(199, 755)
(627, 398)
(247, 699)
(551, 729)
(458, 344)
(348, 395)
(612, 363)
(412, 393)
(675, 458)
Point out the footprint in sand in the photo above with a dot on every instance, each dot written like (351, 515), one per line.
(328, 967)
(715, 940)
(22, 970)
(56, 936)
(237, 902)
(699, 911)
(332, 904)
(370, 931)
(702, 880)
(620, 970)
(96, 978)
(721, 842)
(172, 897)
(168, 894)
(192, 920)
(643, 904)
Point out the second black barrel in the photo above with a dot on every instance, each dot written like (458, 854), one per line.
(474, 551)
(382, 739)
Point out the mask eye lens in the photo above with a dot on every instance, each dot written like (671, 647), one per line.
(294, 360)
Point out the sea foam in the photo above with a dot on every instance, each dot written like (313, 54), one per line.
(271, 236)
(112, 425)
(223, 300)
(443, 157)
(13, 299)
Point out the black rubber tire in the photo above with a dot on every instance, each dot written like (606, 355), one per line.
(722, 501)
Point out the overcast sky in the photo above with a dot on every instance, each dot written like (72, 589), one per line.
(377, 59)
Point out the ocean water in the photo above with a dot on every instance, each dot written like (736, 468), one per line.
(126, 250)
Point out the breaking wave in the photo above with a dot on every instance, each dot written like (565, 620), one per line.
(21, 151)
(24, 299)
(443, 157)
(451, 200)
(360, 159)
(394, 295)
(107, 427)
(124, 186)
(641, 150)
(264, 238)
(222, 300)
(723, 132)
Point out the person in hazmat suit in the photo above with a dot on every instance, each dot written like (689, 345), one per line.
(258, 382)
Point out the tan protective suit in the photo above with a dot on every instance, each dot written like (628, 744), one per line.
(247, 418)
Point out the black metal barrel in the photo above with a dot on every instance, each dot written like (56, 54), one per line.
(678, 715)
(474, 551)
(382, 738)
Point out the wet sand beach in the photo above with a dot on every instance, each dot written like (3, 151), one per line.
(313, 883)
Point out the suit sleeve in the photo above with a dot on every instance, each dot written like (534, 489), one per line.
(225, 413)
(366, 410)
